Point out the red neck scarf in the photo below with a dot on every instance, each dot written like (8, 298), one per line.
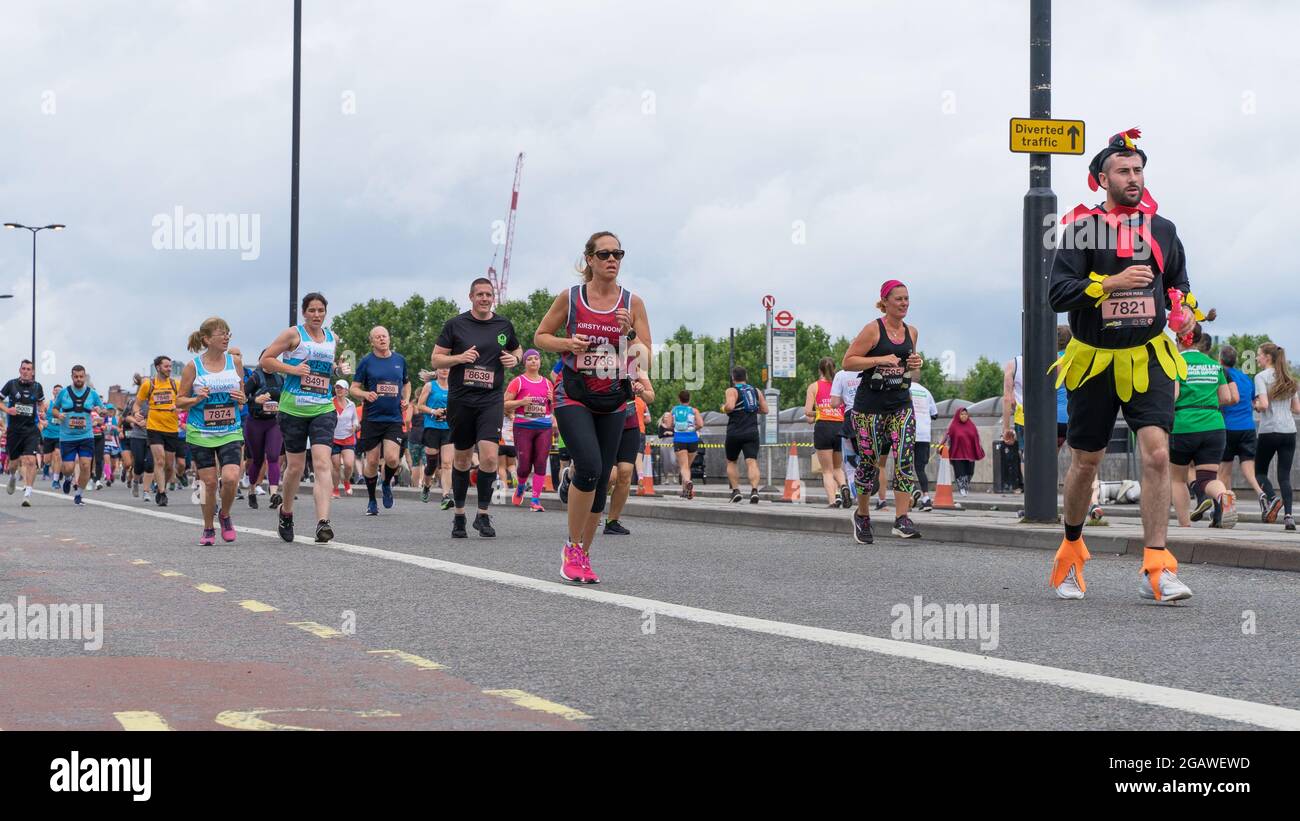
(1120, 220)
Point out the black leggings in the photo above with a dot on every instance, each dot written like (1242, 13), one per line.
(1282, 444)
(592, 440)
(141, 457)
(922, 451)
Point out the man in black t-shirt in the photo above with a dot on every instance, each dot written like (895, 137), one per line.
(23, 402)
(477, 346)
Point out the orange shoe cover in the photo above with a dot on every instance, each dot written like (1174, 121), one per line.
(1070, 554)
(1155, 561)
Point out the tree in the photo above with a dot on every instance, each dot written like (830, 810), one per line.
(983, 380)
(412, 327)
(1246, 346)
(931, 376)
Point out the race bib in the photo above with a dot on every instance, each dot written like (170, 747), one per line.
(270, 406)
(76, 423)
(1129, 309)
(536, 408)
(590, 362)
(219, 416)
(386, 389)
(161, 399)
(480, 377)
(26, 410)
(508, 433)
(316, 384)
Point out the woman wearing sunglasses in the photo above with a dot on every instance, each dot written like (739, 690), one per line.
(605, 326)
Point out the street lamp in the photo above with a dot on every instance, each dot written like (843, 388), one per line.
(35, 230)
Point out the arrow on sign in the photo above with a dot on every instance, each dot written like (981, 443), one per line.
(1074, 135)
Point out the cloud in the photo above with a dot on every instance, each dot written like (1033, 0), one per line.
(710, 137)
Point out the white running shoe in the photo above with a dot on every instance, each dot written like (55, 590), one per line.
(243, 482)
(261, 490)
(1170, 588)
(1069, 589)
(13, 482)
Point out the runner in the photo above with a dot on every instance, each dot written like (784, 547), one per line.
(72, 408)
(828, 421)
(1239, 425)
(530, 399)
(382, 381)
(438, 450)
(1114, 274)
(306, 410)
(1198, 437)
(112, 447)
(742, 404)
(211, 391)
(343, 450)
(50, 441)
(925, 411)
(156, 412)
(262, 437)
(24, 402)
(886, 354)
(137, 439)
(629, 446)
(98, 427)
(561, 471)
(477, 346)
(687, 424)
(600, 318)
(1277, 402)
(844, 392)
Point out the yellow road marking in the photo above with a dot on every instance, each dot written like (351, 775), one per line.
(532, 702)
(410, 658)
(140, 720)
(65, 540)
(317, 629)
(252, 719)
(204, 587)
(140, 561)
(257, 606)
(170, 573)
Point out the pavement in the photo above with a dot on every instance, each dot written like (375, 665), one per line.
(1249, 544)
(695, 626)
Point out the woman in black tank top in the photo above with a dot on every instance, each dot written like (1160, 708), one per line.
(885, 352)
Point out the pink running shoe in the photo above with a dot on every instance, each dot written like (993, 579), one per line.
(518, 497)
(208, 538)
(536, 506)
(572, 568)
(227, 528)
(592, 578)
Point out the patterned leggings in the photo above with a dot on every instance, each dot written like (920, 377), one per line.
(879, 433)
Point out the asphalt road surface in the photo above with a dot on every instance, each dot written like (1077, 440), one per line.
(398, 626)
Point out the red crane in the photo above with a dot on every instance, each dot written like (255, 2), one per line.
(499, 282)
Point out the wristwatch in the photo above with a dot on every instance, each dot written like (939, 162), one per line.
(631, 334)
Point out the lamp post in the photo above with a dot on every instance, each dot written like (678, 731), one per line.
(35, 230)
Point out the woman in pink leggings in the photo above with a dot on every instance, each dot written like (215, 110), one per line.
(531, 398)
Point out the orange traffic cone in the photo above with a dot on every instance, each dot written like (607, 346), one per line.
(547, 487)
(793, 485)
(943, 484)
(647, 474)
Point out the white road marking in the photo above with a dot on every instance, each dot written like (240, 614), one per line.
(1188, 701)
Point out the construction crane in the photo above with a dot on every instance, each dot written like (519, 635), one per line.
(500, 281)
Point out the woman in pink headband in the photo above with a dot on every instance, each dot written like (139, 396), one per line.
(885, 352)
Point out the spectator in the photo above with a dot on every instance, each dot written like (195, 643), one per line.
(964, 449)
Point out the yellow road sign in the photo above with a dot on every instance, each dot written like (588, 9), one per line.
(1046, 136)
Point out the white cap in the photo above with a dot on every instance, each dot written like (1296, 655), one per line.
(342, 383)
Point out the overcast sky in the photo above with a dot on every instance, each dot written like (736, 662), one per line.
(709, 136)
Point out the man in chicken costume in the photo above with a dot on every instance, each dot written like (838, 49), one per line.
(1120, 275)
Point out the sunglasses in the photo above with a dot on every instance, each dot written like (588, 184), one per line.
(603, 255)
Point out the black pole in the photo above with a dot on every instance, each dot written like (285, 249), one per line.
(293, 197)
(1038, 319)
(33, 300)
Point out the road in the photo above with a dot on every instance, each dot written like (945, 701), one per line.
(397, 626)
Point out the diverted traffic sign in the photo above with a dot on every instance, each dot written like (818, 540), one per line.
(769, 302)
(1046, 136)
